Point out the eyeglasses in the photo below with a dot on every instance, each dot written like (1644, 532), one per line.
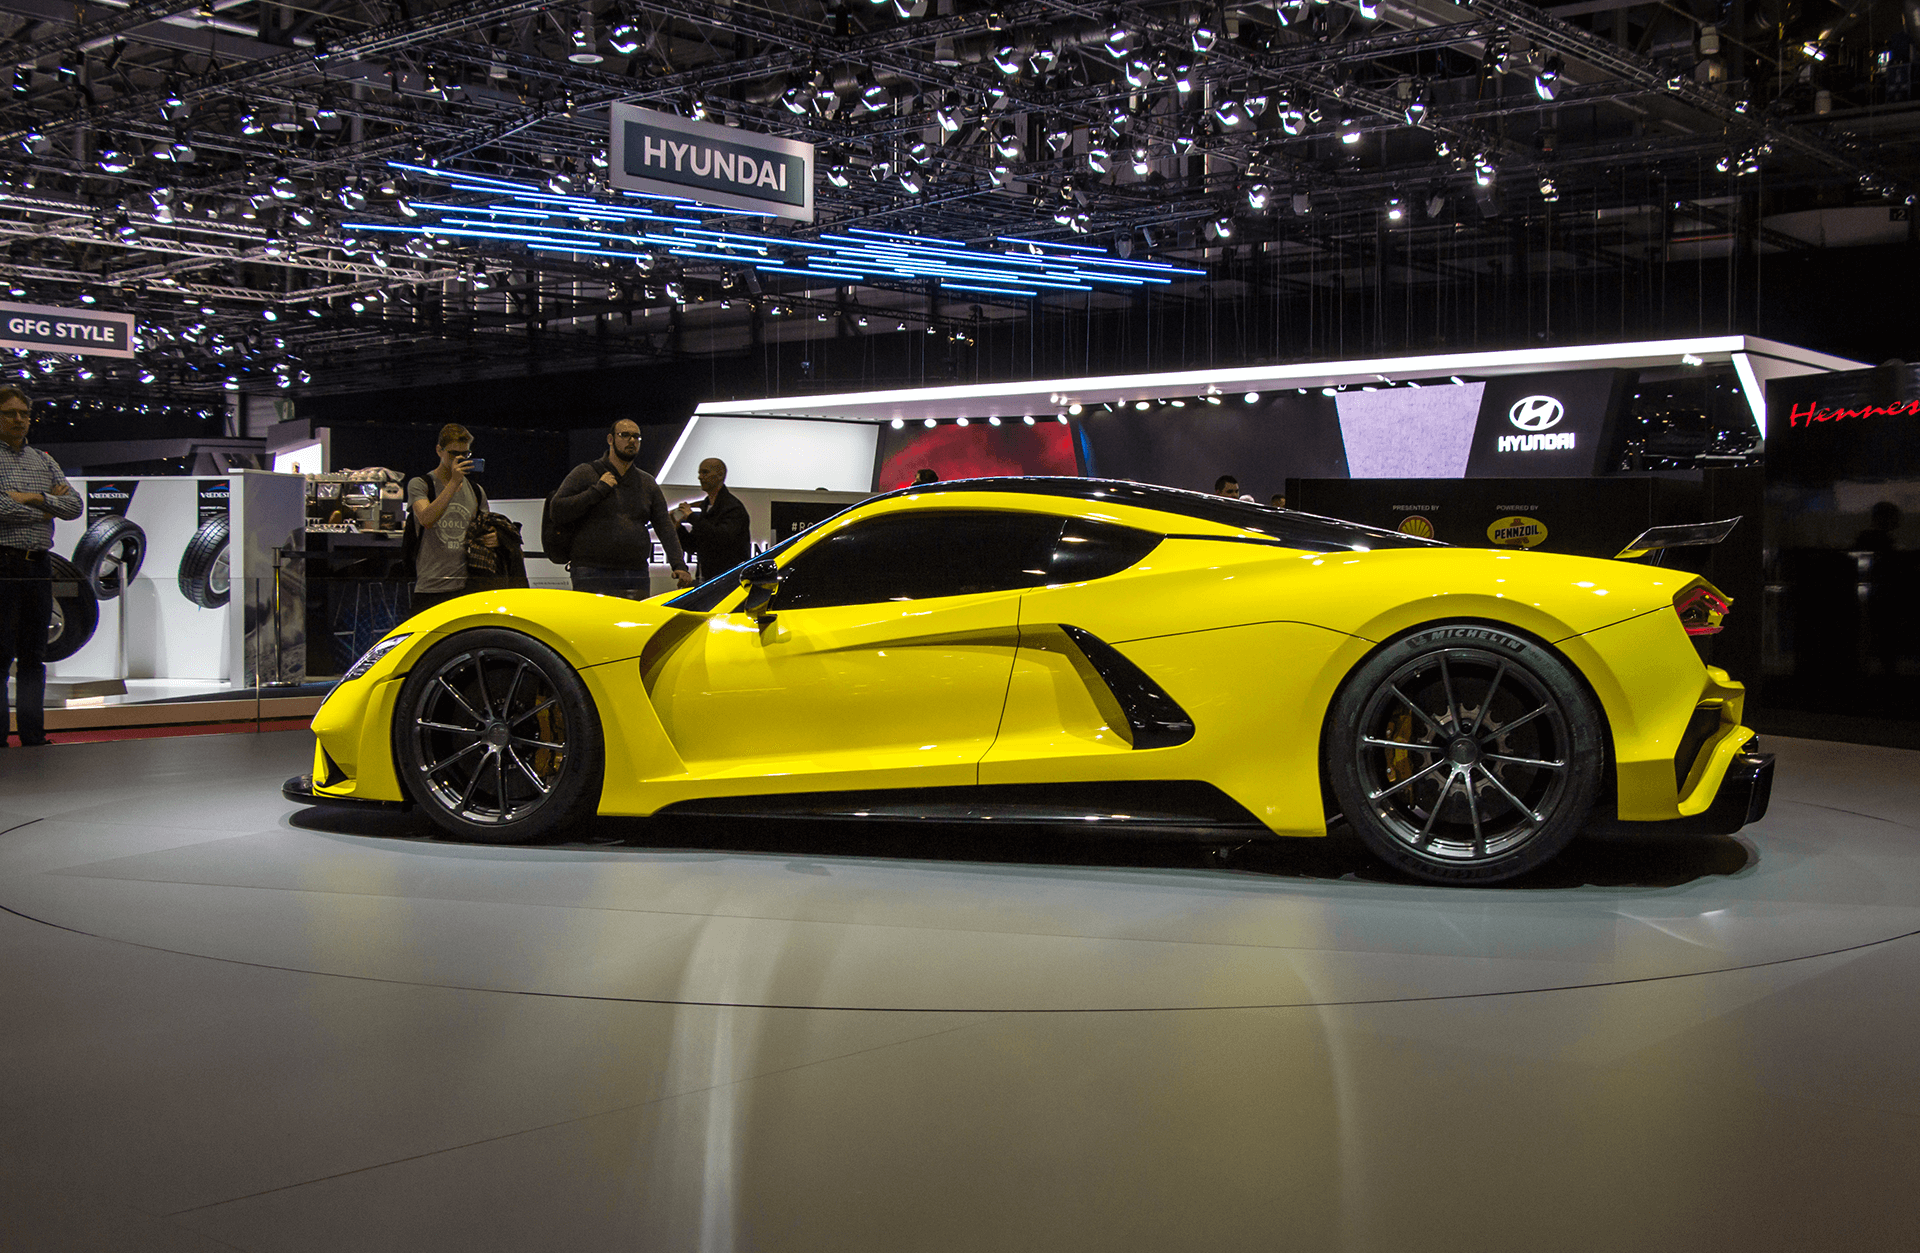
(626, 435)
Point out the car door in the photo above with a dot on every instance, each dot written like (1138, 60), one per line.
(885, 661)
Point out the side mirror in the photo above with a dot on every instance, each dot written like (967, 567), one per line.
(761, 578)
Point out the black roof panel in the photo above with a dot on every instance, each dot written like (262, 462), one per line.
(1291, 527)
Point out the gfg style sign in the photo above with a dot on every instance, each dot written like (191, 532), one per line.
(724, 166)
(83, 332)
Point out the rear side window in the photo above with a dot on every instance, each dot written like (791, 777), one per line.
(1094, 550)
(954, 552)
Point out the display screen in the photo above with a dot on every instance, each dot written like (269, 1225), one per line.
(1280, 436)
(977, 450)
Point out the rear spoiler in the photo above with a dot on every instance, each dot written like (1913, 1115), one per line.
(1687, 535)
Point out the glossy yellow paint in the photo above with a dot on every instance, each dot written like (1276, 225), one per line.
(911, 688)
(1251, 640)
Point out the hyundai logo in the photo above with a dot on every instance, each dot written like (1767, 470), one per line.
(1536, 413)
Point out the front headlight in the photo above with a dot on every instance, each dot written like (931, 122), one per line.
(369, 658)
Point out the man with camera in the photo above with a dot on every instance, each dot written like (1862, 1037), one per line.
(607, 504)
(443, 504)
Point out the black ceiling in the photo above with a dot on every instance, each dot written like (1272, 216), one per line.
(193, 162)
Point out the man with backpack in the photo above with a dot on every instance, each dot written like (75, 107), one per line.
(443, 504)
(601, 512)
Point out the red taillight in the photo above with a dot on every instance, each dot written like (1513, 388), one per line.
(1702, 610)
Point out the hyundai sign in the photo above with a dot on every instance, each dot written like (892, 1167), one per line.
(37, 328)
(664, 155)
(1546, 425)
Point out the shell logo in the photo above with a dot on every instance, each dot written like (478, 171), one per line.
(1517, 532)
(1414, 524)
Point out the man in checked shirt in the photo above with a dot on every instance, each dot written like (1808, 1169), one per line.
(33, 493)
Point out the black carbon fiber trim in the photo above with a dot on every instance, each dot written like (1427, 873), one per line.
(1156, 720)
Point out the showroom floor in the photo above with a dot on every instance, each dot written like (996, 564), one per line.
(229, 1023)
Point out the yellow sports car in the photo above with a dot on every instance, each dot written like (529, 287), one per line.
(1038, 650)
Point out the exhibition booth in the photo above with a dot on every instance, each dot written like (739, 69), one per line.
(1562, 449)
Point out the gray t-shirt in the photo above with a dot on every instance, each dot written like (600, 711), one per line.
(441, 565)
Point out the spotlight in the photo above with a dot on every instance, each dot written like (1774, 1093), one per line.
(1292, 120)
(282, 188)
(1183, 78)
(250, 123)
(1417, 105)
(1548, 191)
(1119, 41)
(1546, 80)
(1099, 160)
(114, 161)
(1229, 112)
(1257, 196)
(624, 38)
(1010, 146)
(961, 422)
(1139, 73)
(1043, 59)
(912, 181)
(1483, 170)
(1251, 397)
(928, 422)
(876, 97)
(898, 423)
(1223, 226)
(1302, 203)
(1059, 138)
(837, 174)
(949, 112)
(1396, 210)
(1256, 104)
(1028, 419)
(1349, 131)
(1203, 38)
(269, 315)
(792, 101)
(1182, 144)
(1142, 161)
(1007, 58)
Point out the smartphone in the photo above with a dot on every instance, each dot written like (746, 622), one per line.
(476, 465)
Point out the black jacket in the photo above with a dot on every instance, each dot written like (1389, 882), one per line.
(610, 523)
(718, 533)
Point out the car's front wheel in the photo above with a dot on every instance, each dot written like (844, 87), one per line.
(498, 740)
(1465, 753)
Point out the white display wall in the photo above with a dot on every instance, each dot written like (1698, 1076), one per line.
(152, 630)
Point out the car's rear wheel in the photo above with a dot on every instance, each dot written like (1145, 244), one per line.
(498, 740)
(1465, 753)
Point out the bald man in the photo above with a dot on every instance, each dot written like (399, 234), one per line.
(716, 529)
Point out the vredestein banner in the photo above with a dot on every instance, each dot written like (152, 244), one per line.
(703, 162)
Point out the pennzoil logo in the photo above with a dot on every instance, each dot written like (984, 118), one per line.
(1417, 525)
(1517, 532)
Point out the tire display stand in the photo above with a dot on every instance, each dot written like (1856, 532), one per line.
(172, 580)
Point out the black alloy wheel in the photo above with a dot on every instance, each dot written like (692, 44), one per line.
(497, 739)
(1465, 753)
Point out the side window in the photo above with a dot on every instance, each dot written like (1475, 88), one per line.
(1094, 550)
(921, 555)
